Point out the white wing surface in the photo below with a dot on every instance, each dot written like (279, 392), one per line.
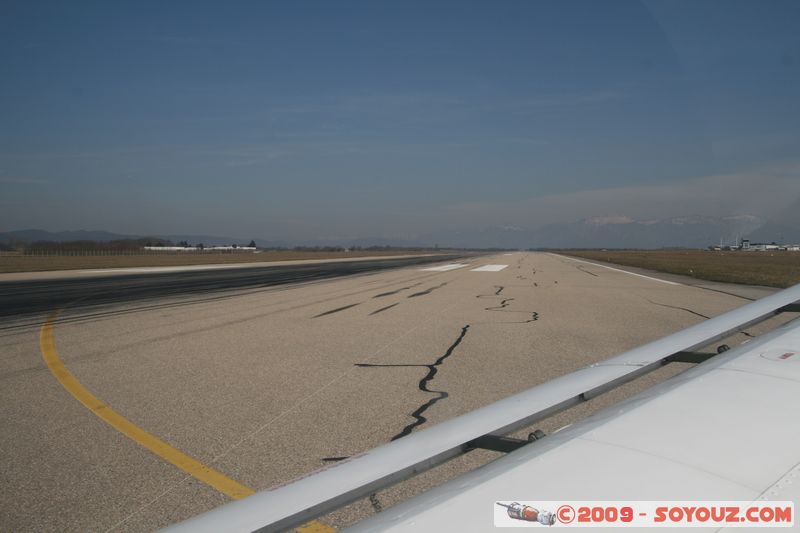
(726, 430)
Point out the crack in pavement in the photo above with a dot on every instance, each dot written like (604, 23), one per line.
(701, 315)
(427, 291)
(381, 295)
(723, 292)
(505, 302)
(336, 310)
(419, 419)
(582, 269)
(692, 312)
(423, 385)
(382, 309)
(500, 288)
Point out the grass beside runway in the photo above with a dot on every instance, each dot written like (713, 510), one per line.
(772, 269)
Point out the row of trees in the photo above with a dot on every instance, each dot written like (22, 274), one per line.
(118, 245)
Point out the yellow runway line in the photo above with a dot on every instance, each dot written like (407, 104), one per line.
(191, 466)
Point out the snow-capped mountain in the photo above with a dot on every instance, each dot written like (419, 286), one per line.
(616, 231)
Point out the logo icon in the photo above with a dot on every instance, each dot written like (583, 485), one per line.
(517, 511)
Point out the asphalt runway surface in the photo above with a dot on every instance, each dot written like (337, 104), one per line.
(53, 290)
(263, 380)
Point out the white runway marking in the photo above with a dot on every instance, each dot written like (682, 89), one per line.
(489, 268)
(444, 268)
(619, 270)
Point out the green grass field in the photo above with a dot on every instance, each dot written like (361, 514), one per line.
(773, 269)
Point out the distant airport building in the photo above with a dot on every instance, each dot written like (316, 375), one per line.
(746, 246)
(231, 248)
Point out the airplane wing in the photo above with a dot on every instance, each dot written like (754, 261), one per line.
(727, 429)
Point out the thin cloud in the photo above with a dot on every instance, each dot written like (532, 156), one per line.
(19, 180)
(765, 192)
(525, 106)
(568, 100)
(192, 41)
(249, 155)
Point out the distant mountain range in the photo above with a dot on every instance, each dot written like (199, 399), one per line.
(33, 235)
(596, 232)
(623, 232)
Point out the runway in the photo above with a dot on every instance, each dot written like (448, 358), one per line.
(29, 293)
(262, 381)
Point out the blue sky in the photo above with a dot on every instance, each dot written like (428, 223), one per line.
(307, 120)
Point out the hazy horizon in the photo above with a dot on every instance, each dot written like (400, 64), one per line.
(324, 121)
